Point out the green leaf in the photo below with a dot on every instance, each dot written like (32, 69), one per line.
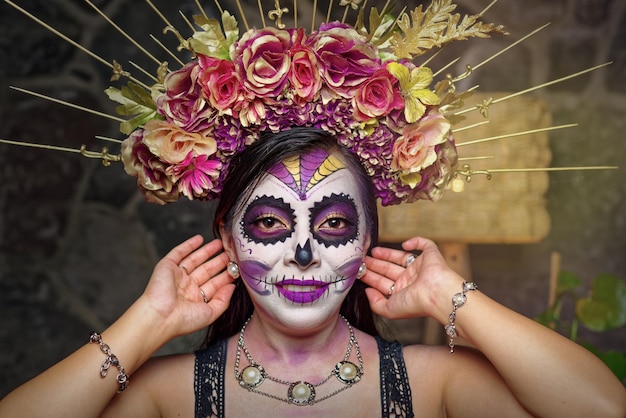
(566, 282)
(135, 101)
(211, 41)
(605, 307)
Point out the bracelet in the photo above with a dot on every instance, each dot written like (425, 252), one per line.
(111, 359)
(458, 300)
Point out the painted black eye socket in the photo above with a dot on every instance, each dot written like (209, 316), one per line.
(268, 220)
(335, 220)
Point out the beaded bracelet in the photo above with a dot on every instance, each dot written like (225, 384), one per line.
(111, 359)
(458, 300)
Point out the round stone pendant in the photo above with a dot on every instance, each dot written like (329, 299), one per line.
(347, 372)
(252, 376)
(301, 393)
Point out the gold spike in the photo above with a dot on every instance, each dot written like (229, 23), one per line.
(106, 138)
(75, 106)
(189, 24)
(464, 128)
(502, 51)
(183, 43)
(313, 17)
(243, 15)
(261, 12)
(528, 90)
(532, 131)
(199, 6)
(580, 168)
(330, 7)
(295, 13)
(143, 71)
(219, 7)
(467, 172)
(482, 157)
(71, 41)
(120, 30)
(155, 39)
(277, 14)
(104, 154)
(451, 63)
(487, 8)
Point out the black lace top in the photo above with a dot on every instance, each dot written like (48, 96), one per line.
(395, 393)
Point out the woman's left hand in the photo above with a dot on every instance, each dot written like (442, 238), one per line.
(398, 290)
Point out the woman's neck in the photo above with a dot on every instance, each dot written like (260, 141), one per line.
(270, 342)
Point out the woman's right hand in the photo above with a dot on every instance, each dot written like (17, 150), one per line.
(175, 290)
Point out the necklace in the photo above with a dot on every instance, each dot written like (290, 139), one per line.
(299, 392)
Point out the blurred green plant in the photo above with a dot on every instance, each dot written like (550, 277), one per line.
(603, 308)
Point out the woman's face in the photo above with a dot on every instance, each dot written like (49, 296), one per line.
(300, 239)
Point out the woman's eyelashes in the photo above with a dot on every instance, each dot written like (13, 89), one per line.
(268, 220)
(335, 220)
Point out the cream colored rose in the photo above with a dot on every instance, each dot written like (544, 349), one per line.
(415, 149)
(172, 144)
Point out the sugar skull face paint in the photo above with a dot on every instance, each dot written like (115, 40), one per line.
(300, 238)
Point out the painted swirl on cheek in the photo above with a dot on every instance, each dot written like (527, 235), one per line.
(253, 272)
(335, 220)
(268, 220)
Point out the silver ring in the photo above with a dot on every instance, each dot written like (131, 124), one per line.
(393, 286)
(184, 268)
(204, 298)
(410, 259)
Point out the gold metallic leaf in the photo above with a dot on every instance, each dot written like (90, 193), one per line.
(436, 26)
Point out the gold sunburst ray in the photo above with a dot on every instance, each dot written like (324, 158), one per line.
(104, 154)
(201, 9)
(531, 89)
(475, 125)
(69, 104)
(108, 139)
(166, 49)
(480, 157)
(145, 72)
(512, 135)
(261, 12)
(242, 14)
(187, 21)
(122, 32)
(72, 42)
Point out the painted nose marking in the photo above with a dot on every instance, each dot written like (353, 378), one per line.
(304, 255)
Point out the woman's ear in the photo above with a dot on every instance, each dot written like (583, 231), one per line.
(227, 241)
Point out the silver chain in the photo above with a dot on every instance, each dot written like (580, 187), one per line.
(351, 343)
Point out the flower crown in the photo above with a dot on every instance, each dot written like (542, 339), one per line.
(356, 83)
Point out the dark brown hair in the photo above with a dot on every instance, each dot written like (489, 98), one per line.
(245, 171)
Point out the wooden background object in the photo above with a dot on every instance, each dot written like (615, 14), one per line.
(509, 208)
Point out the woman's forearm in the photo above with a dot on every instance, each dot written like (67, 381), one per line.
(74, 387)
(548, 374)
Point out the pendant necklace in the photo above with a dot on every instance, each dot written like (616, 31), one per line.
(299, 392)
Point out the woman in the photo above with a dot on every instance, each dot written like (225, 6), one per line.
(294, 235)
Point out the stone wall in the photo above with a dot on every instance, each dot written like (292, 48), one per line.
(77, 243)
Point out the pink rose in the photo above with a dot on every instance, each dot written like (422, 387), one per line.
(304, 74)
(262, 60)
(347, 58)
(415, 149)
(220, 84)
(377, 96)
(182, 103)
(172, 144)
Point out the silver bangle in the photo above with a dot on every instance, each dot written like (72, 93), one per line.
(458, 300)
(111, 359)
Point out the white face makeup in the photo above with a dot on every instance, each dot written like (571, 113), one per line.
(300, 239)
